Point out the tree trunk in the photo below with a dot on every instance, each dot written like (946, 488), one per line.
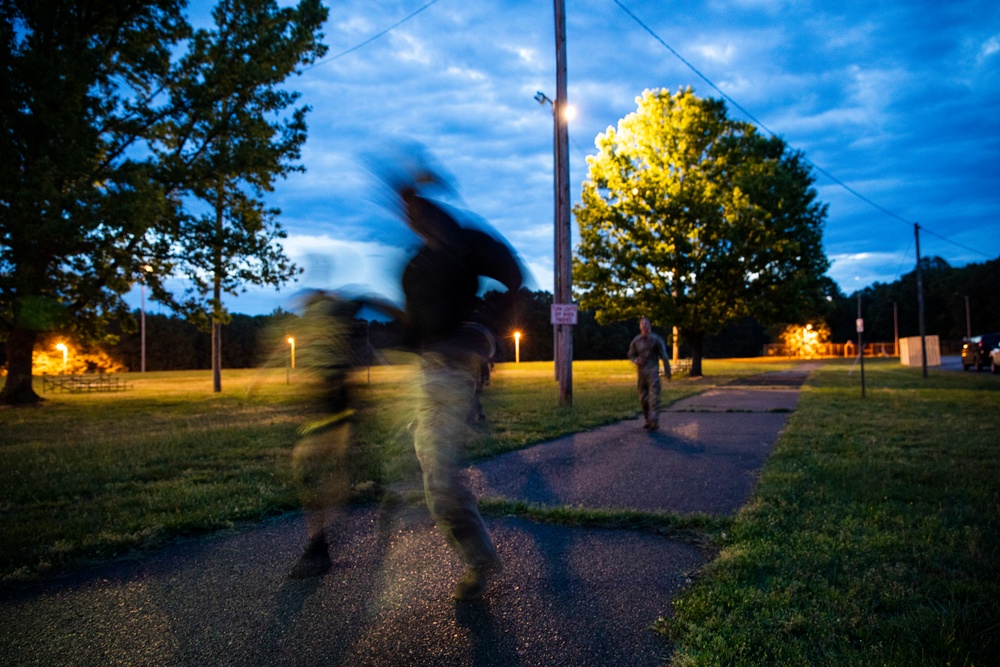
(18, 389)
(217, 339)
(696, 341)
(217, 295)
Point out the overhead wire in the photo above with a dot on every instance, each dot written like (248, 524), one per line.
(371, 39)
(750, 116)
(764, 127)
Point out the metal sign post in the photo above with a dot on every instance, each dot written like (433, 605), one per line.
(861, 345)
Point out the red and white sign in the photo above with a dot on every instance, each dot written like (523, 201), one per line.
(563, 313)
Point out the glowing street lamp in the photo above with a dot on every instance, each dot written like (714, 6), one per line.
(517, 347)
(291, 342)
(568, 112)
(62, 347)
(146, 268)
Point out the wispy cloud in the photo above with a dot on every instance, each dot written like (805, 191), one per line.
(897, 99)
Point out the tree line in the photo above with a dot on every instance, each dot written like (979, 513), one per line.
(248, 341)
(175, 343)
(945, 289)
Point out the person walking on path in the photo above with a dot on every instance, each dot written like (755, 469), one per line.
(646, 351)
(440, 284)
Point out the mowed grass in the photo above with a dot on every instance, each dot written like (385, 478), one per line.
(87, 477)
(873, 537)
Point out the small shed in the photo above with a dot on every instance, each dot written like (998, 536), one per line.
(909, 351)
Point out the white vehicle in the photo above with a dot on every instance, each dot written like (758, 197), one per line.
(995, 361)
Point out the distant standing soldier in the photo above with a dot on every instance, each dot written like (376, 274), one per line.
(646, 351)
(482, 371)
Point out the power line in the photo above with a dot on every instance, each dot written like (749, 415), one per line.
(370, 39)
(764, 127)
(955, 243)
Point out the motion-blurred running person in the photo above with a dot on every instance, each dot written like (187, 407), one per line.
(440, 284)
(321, 459)
(646, 351)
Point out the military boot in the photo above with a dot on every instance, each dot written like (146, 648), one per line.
(476, 578)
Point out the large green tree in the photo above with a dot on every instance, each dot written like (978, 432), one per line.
(694, 219)
(108, 139)
(229, 144)
(81, 88)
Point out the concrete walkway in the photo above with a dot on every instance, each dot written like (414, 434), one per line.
(567, 596)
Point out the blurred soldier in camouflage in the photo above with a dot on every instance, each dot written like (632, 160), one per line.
(321, 459)
(440, 284)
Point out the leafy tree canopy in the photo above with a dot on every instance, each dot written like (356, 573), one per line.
(95, 182)
(229, 142)
(694, 219)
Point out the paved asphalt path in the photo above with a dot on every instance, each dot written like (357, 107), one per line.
(567, 596)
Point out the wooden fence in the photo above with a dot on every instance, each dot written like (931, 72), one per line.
(76, 384)
(835, 350)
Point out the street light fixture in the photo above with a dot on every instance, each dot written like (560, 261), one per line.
(146, 268)
(291, 342)
(62, 347)
(568, 110)
(517, 347)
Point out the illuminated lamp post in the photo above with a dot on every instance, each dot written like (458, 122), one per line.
(291, 365)
(562, 295)
(146, 268)
(291, 342)
(517, 347)
(62, 347)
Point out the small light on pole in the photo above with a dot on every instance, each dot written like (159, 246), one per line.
(62, 347)
(569, 111)
(517, 347)
(146, 268)
(291, 342)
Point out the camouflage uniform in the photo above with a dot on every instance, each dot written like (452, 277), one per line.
(646, 352)
(439, 440)
(440, 283)
(320, 457)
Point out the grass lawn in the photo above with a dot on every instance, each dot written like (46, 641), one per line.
(874, 535)
(87, 477)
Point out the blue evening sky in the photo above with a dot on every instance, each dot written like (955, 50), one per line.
(899, 100)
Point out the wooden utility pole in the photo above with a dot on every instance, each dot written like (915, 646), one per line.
(895, 329)
(968, 319)
(920, 302)
(563, 334)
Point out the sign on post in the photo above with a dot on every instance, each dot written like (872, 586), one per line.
(563, 313)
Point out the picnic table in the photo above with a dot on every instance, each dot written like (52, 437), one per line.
(682, 366)
(88, 382)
